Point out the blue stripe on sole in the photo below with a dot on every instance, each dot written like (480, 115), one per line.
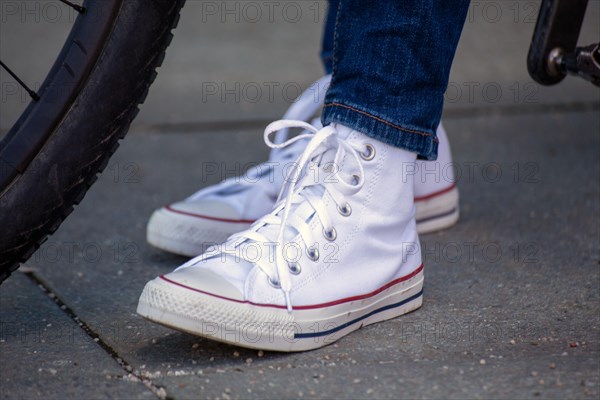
(347, 324)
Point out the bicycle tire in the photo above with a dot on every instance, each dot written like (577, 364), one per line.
(56, 149)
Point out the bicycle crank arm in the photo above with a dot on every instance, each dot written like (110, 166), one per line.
(555, 36)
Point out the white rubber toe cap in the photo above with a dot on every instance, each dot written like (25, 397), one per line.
(202, 279)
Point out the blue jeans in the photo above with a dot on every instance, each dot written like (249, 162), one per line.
(390, 61)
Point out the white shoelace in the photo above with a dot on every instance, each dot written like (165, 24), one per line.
(304, 194)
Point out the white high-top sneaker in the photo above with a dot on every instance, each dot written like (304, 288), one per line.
(212, 214)
(436, 194)
(339, 251)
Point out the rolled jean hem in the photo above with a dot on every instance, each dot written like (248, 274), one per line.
(425, 144)
(327, 59)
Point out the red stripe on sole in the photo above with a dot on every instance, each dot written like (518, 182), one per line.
(310, 307)
(233, 221)
(435, 194)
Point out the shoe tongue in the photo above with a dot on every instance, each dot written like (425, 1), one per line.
(328, 157)
(343, 132)
(321, 169)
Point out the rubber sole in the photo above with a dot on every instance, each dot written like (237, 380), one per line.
(188, 235)
(272, 327)
(438, 212)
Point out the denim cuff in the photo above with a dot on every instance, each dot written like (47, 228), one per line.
(424, 143)
(327, 59)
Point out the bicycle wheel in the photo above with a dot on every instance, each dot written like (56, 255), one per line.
(53, 153)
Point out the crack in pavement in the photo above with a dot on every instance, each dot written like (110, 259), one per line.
(130, 373)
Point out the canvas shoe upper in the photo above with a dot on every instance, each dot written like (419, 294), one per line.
(339, 250)
(212, 214)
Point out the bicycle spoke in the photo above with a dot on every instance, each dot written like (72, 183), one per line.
(32, 93)
(75, 6)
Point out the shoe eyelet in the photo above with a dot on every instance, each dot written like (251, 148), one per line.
(345, 210)
(369, 154)
(274, 283)
(313, 253)
(357, 180)
(330, 234)
(294, 268)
